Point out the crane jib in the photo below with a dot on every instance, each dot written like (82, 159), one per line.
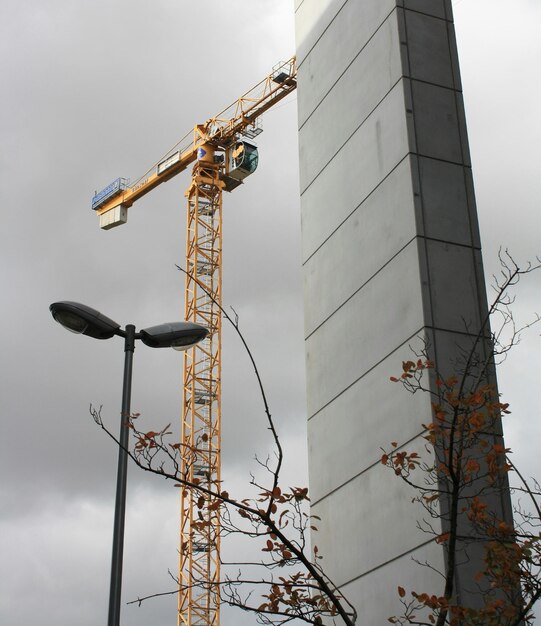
(167, 163)
(220, 133)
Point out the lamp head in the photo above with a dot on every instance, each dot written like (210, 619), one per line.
(177, 335)
(81, 319)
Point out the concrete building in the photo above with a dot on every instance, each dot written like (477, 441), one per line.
(391, 253)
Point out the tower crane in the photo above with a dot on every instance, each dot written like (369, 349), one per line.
(223, 155)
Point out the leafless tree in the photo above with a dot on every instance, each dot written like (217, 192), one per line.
(288, 582)
(463, 468)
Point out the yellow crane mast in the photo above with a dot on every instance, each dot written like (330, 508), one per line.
(223, 156)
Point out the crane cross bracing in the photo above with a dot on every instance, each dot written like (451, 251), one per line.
(223, 158)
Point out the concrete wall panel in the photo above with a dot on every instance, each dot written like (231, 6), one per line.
(450, 279)
(375, 593)
(378, 229)
(351, 101)
(364, 503)
(434, 110)
(444, 342)
(446, 190)
(370, 155)
(430, 7)
(346, 436)
(428, 53)
(390, 306)
(312, 18)
(354, 25)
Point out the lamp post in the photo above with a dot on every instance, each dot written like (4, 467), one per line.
(82, 319)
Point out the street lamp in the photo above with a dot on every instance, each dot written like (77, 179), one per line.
(82, 319)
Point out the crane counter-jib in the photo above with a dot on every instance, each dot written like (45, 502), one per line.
(219, 132)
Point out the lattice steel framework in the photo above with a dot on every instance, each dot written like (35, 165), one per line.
(199, 597)
(200, 542)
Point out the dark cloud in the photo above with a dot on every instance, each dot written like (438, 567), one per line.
(96, 90)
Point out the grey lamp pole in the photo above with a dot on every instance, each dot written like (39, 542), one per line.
(79, 318)
(117, 559)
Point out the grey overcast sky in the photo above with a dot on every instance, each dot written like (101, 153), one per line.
(93, 90)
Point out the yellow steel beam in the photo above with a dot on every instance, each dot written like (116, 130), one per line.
(199, 567)
(218, 131)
